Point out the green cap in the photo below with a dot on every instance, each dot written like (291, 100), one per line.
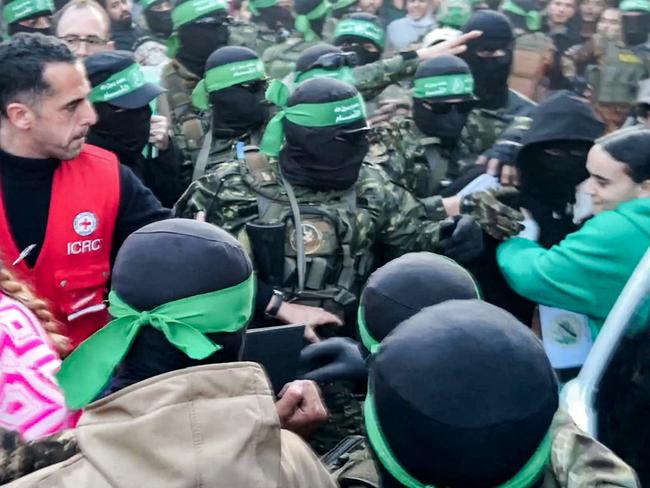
(325, 114)
(226, 75)
(635, 6)
(360, 28)
(21, 9)
(454, 13)
(443, 86)
(87, 371)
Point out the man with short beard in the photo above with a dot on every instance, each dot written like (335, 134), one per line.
(125, 32)
(66, 206)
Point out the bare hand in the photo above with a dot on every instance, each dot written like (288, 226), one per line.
(159, 132)
(312, 317)
(300, 407)
(451, 46)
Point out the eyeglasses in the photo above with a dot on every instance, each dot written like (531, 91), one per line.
(335, 61)
(91, 41)
(463, 107)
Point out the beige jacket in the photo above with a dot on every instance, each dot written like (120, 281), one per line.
(209, 426)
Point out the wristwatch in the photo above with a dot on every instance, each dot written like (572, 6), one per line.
(276, 302)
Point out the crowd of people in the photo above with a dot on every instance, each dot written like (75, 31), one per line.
(428, 187)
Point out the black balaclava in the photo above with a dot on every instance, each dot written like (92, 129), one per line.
(636, 28)
(200, 38)
(406, 285)
(123, 131)
(323, 158)
(276, 17)
(354, 44)
(490, 74)
(16, 27)
(183, 258)
(303, 7)
(159, 22)
(552, 161)
(237, 109)
(475, 393)
(446, 126)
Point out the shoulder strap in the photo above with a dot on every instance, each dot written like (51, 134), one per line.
(300, 243)
(202, 158)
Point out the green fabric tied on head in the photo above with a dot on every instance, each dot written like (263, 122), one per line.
(533, 17)
(339, 112)
(360, 28)
(119, 84)
(148, 3)
(525, 478)
(455, 16)
(194, 9)
(303, 24)
(255, 5)
(221, 77)
(634, 5)
(87, 371)
(367, 339)
(342, 74)
(443, 86)
(21, 9)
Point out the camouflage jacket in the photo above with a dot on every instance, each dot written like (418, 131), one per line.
(577, 461)
(188, 125)
(416, 161)
(256, 36)
(280, 59)
(19, 458)
(385, 213)
(484, 127)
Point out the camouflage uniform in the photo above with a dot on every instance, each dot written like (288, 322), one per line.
(256, 36)
(577, 461)
(280, 60)
(19, 458)
(416, 161)
(484, 127)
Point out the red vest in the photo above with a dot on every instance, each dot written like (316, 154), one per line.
(73, 267)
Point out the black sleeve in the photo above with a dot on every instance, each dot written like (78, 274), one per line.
(138, 207)
(163, 175)
(263, 297)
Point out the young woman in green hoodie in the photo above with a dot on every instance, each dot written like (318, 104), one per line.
(586, 272)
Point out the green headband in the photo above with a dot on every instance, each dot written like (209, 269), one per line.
(367, 339)
(126, 81)
(341, 4)
(303, 25)
(184, 322)
(455, 16)
(339, 112)
(526, 477)
(188, 12)
(533, 17)
(21, 9)
(342, 74)
(148, 3)
(255, 5)
(443, 86)
(634, 5)
(360, 28)
(221, 77)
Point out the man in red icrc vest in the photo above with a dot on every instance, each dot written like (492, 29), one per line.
(65, 206)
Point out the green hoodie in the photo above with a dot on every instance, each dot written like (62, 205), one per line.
(586, 272)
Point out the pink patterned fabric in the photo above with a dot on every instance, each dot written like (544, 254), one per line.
(30, 399)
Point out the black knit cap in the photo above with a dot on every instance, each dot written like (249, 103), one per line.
(167, 261)
(496, 28)
(464, 394)
(319, 90)
(406, 285)
(351, 39)
(310, 55)
(229, 54)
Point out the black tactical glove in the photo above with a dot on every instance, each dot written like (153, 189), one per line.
(333, 359)
(465, 242)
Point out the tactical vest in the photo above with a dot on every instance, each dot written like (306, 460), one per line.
(187, 123)
(532, 56)
(327, 268)
(618, 74)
